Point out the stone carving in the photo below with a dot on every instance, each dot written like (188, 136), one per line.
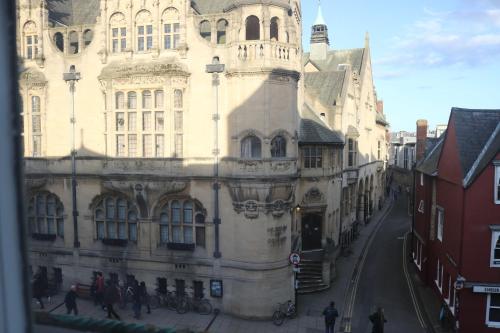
(32, 77)
(117, 19)
(280, 165)
(313, 196)
(126, 70)
(253, 198)
(35, 184)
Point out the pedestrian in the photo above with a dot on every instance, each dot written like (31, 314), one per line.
(331, 314)
(378, 320)
(70, 301)
(136, 299)
(145, 296)
(111, 296)
(38, 288)
(99, 289)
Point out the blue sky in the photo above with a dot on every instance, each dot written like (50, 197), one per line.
(427, 55)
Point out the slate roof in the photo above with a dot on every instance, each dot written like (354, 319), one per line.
(314, 131)
(327, 86)
(380, 119)
(220, 6)
(334, 58)
(430, 162)
(73, 12)
(473, 128)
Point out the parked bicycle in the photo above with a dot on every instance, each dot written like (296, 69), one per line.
(284, 310)
(166, 299)
(199, 305)
(126, 296)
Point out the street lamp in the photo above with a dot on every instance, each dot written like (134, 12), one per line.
(215, 68)
(72, 77)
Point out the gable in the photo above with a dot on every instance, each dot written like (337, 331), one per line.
(449, 162)
(309, 67)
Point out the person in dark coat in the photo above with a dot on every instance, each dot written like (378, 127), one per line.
(331, 314)
(378, 320)
(137, 299)
(111, 296)
(145, 296)
(99, 289)
(38, 288)
(70, 301)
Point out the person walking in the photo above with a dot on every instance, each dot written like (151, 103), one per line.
(38, 288)
(111, 296)
(137, 299)
(378, 320)
(70, 301)
(99, 289)
(145, 296)
(331, 314)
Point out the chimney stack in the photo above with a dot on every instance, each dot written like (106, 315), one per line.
(421, 138)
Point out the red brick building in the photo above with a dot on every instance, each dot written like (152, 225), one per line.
(456, 232)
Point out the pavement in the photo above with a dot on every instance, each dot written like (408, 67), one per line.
(310, 307)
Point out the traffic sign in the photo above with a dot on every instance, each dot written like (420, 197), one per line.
(294, 258)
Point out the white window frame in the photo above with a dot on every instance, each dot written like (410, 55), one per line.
(439, 276)
(496, 185)
(421, 206)
(494, 237)
(421, 179)
(495, 324)
(440, 223)
(454, 298)
(417, 257)
(447, 297)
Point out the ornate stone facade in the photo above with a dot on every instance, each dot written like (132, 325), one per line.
(155, 133)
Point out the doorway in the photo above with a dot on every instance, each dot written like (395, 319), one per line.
(311, 232)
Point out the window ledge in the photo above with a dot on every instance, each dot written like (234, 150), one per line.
(44, 237)
(115, 242)
(493, 324)
(181, 246)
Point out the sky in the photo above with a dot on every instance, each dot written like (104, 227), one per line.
(428, 55)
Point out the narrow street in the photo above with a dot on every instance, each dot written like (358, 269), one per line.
(382, 281)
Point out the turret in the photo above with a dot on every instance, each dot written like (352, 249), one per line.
(319, 38)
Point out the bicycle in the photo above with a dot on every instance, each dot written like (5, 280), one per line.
(285, 310)
(199, 305)
(166, 299)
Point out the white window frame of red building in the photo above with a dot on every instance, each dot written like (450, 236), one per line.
(496, 185)
(489, 323)
(417, 256)
(453, 298)
(421, 179)
(495, 245)
(439, 276)
(448, 295)
(440, 223)
(421, 206)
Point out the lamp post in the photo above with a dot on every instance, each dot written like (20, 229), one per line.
(72, 77)
(215, 68)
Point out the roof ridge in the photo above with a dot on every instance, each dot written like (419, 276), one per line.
(472, 170)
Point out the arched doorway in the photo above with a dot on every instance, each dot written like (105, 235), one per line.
(311, 231)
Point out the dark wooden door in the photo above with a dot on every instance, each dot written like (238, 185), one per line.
(311, 232)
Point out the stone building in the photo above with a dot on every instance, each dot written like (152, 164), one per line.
(197, 181)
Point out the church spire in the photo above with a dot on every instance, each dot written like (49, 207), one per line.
(319, 37)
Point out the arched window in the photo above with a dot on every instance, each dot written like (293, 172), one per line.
(159, 99)
(274, 28)
(118, 32)
(206, 31)
(252, 26)
(73, 42)
(146, 99)
(278, 146)
(178, 98)
(221, 31)
(88, 35)
(250, 147)
(171, 28)
(181, 221)
(59, 41)
(131, 100)
(31, 38)
(144, 30)
(120, 100)
(46, 214)
(115, 218)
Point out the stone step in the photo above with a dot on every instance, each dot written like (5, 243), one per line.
(312, 289)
